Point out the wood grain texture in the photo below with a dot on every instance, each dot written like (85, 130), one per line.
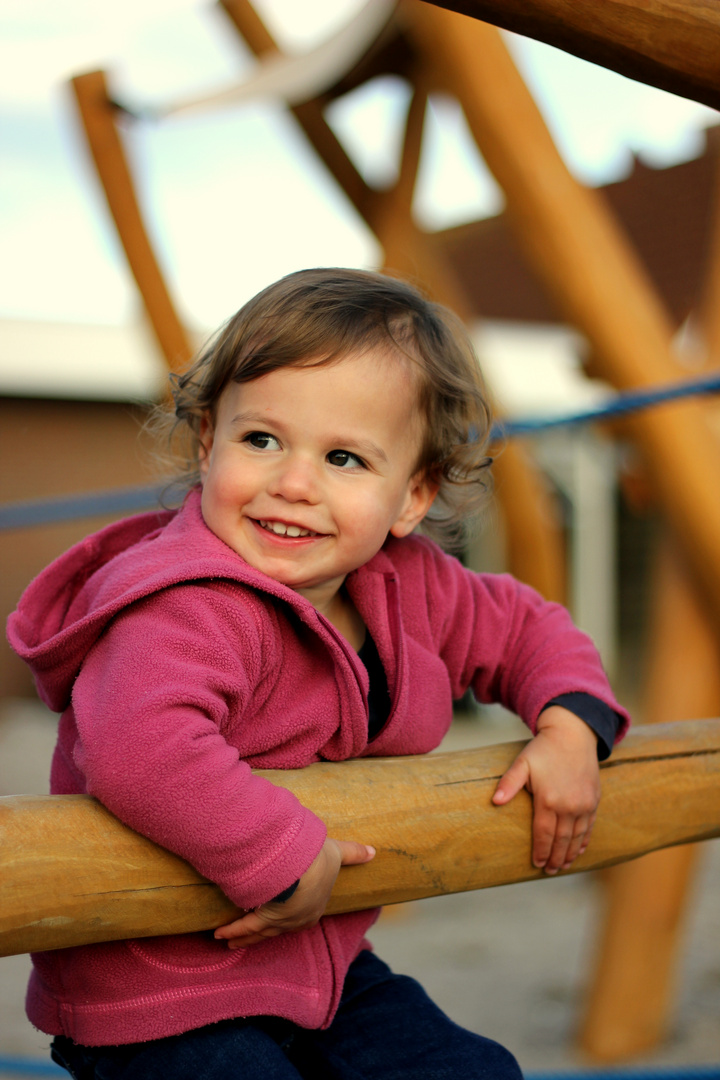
(71, 873)
(672, 44)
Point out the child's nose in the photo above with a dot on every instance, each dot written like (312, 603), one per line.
(296, 480)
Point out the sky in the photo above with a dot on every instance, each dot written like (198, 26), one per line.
(233, 197)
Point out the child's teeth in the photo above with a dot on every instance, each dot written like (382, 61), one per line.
(280, 529)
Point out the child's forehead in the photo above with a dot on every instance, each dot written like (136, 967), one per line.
(383, 360)
(368, 390)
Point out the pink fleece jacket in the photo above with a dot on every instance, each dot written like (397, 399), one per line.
(178, 668)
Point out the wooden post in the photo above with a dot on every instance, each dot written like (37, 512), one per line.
(70, 873)
(675, 46)
(631, 992)
(637, 948)
(98, 115)
(709, 320)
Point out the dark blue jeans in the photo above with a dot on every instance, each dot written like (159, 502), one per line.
(386, 1028)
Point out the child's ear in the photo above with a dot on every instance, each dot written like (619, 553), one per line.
(420, 496)
(206, 435)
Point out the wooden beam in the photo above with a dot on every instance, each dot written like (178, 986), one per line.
(70, 873)
(631, 992)
(666, 43)
(99, 118)
(708, 328)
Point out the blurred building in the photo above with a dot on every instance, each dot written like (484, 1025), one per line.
(73, 400)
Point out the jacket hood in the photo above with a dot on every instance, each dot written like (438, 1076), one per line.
(66, 608)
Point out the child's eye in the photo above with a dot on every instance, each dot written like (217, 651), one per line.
(343, 459)
(261, 440)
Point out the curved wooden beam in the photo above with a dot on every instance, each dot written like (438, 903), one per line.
(71, 873)
(99, 118)
(671, 44)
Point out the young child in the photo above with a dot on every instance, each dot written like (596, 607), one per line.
(287, 614)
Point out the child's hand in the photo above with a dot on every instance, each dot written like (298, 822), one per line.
(306, 904)
(560, 768)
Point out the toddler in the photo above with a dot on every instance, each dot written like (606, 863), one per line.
(289, 613)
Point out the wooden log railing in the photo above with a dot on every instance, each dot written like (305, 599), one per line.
(675, 46)
(71, 873)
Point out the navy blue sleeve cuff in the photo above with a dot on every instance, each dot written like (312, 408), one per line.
(603, 720)
(285, 894)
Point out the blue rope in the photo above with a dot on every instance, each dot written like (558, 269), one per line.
(620, 405)
(21, 515)
(26, 1066)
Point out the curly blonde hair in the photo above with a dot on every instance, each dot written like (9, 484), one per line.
(320, 316)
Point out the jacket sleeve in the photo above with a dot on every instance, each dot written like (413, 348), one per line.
(153, 703)
(510, 645)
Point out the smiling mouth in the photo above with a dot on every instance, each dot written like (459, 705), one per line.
(279, 528)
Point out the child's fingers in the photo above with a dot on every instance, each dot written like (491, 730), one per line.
(246, 940)
(561, 843)
(231, 929)
(306, 905)
(353, 853)
(571, 838)
(543, 832)
(516, 778)
(580, 841)
(249, 930)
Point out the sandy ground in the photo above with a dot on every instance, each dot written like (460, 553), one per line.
(511, 963)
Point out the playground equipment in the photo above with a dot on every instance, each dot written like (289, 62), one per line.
(572, 240)
(71, 874)
(670, 45)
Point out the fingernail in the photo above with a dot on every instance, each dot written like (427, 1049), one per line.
(371, 850)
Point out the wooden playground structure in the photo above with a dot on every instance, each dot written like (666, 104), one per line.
(661, 786)
(430, 818)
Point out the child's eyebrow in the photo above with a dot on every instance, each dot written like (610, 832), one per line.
(249, 418)
(365, 448)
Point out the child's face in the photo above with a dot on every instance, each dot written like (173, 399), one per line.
(306, 470)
